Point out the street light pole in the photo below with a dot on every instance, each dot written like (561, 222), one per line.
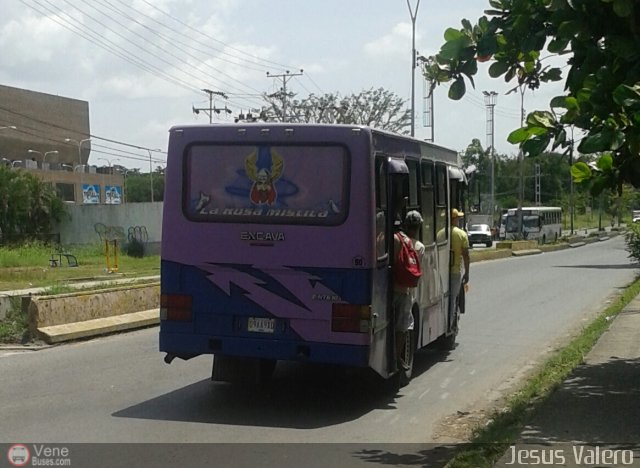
(44, 155)
(413, 13)
(490, 99)
(151, 169)
(79, 143)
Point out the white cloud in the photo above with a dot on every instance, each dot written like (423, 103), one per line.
(43, 41)
(394, 43)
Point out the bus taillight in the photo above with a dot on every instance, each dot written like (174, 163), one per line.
(175, 307)
(350, 318)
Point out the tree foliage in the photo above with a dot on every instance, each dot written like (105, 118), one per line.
(601, 40)
(28, 207)
(377, 108)
(137, 187)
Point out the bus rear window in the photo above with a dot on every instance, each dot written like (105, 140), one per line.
(274, 184)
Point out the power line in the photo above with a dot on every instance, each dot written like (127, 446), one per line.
(188, 26)
(112, 48)
(192, 39)
(164, 51)
(60, 17)
(54, 138)
(169, 41)
(314, 83)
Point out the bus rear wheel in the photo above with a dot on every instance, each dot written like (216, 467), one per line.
(407, 355)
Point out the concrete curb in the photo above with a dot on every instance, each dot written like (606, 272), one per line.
(523, 253)
(100, 326)
(577, 244)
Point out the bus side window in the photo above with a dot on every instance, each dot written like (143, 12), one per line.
(413, 184)
(442, 227)
(428, 203)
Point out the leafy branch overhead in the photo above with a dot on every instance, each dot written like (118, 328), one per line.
(600, 40)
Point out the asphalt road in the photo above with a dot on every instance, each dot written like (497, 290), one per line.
(117, 388)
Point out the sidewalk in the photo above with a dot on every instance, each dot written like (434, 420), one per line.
(598, 403)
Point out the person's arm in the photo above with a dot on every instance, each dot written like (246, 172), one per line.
(465, 259)
(396, 244)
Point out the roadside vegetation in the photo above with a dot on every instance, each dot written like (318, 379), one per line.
(490, 441)
(15, 327)
(27, 266)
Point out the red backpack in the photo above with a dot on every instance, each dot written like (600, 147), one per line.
(406, 268)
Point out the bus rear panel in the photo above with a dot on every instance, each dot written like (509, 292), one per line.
(267, 249)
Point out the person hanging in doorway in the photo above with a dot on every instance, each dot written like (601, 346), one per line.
(459, 259)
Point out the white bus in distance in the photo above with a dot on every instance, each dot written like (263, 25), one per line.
(538, 222)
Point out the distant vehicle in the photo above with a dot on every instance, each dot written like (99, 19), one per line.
(480, 234)
(477, 219)
(635, 216)
(543, 223)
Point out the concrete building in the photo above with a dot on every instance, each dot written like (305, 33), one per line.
(50, 136)
(44, 123)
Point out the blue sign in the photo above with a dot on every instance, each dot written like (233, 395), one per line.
(112, 194)
(90, 194)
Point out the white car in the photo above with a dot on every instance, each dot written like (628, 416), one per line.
(480, 234)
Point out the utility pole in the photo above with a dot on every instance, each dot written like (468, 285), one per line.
(490, 99)
(286, 76)
(413, 13)
(521, 164)
(538, 185)
(571, 201)
(211, 109)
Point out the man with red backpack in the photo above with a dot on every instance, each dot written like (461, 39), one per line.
(406, 273)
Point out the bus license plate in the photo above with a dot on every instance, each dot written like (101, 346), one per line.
(261, 324)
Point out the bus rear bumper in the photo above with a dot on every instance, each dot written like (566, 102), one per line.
(327, 353)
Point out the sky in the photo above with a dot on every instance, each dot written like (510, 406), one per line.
(142, 64)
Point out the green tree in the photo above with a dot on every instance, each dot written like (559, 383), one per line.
(28, 207)
(377, 108)
(477, 163)
(601, 40)
(137, 187)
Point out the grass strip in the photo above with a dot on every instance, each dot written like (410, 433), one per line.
(490, 442)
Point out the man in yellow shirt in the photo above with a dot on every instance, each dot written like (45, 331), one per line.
(459, 257)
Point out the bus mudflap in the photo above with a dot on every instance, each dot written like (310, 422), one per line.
(242, 370)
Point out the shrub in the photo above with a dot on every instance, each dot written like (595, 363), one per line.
(632, 238)
(135, 248)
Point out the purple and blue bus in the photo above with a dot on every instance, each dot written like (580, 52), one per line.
(276, 241)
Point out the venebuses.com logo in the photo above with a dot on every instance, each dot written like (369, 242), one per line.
(39, 455)
(18, 455)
